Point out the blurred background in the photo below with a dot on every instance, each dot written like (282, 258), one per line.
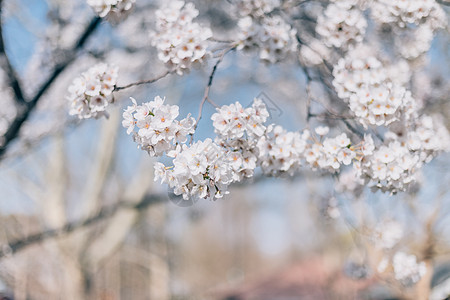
(80, 214)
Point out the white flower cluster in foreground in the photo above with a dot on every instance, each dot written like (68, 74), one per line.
(256, 8)
(341, 25)
(331, 153)
(181, 43)
(281, 151)
(91, 92)
(198, 171)
(391, 167)
(406, 268)
(155, 128)
(375, 94)
(238, 130)
(114, 8)
(244, 141)
(271, 36)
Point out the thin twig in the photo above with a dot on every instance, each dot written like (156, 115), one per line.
(152, 80)
(329, 116)
(208, 87)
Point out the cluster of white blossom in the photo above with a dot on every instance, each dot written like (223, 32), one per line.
(387, 234)
(331, 153)
(414, 23)
(91, 92)
(114, 8)
(245, 142)
(429, 137)
(198, 171)
(181, 43)
(238, 129)
(390, 167)
(155, 128)
(406, 268)
(375, 94)
(394, 165)
(271, 36)
(412, 43)
(256, 8)
(281, 151)
(341, 25)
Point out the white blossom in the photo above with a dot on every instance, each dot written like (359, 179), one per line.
(375, 94)
(238, 129)
(413, 21)
(341, 25)
(403, 12)
(91, 92)
(271, 36)
(198, 171)
(256, 8)
(155, 127)
(280, 151)
(181, 43)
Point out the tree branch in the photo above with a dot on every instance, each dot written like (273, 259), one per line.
(208, 86)
(152, 80)
(104, 213)
(23, 115)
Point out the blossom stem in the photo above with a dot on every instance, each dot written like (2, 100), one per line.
(151, 80)
(208, 86)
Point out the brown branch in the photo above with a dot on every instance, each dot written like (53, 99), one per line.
(104, 213)
(208, 86)
(23, 114)
(152, 80)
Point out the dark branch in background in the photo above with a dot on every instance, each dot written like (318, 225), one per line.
(443, 2)
(24, 113)
(5, 64)
(104, 213)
